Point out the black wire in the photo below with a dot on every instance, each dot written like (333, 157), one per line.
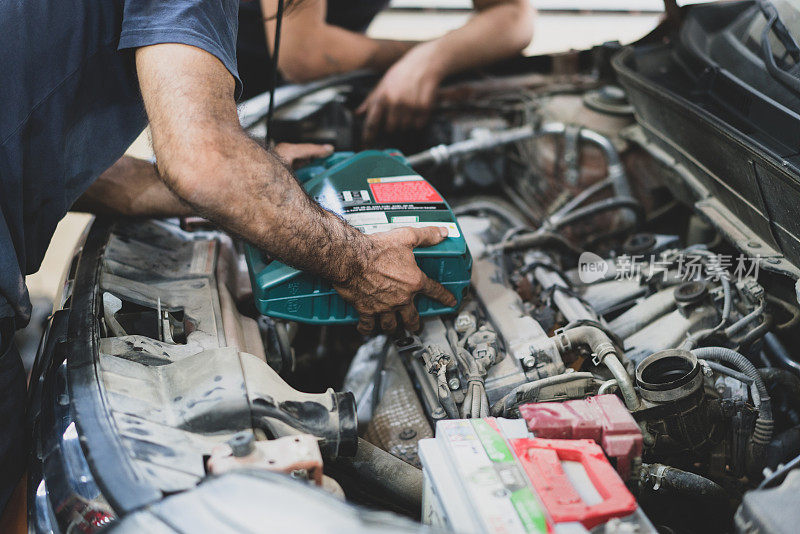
(608, 204)
(274, 74)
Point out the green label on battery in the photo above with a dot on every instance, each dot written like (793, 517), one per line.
(493, 443)
(530, 513)
(508, 473)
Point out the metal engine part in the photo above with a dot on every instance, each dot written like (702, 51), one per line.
(677, 413)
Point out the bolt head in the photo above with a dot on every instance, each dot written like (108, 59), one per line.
(407, 434)
(242, 443)
(454, 383)
(529, 362)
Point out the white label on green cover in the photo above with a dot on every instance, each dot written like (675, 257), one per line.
(497, 487)
(405, 219)
(452, 229)
(361, 218)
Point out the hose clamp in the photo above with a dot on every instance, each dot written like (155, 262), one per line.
(603, 350)
(657, 476)
(563, 344)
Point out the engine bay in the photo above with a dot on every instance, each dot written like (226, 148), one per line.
(606, 301)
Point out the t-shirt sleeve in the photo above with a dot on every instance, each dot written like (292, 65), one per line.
(210, 25)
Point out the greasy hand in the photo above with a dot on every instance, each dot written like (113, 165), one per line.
(391, 278)
(405, 95)
(297, 155)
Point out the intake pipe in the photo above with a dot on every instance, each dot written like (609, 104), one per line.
(377, 475)
(280, 410)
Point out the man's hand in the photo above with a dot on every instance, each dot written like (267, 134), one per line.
(297, 155)
(391, 279)
(405, 95)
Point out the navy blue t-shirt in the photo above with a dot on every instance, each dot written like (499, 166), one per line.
(70, 106)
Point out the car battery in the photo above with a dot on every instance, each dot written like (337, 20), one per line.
(375, 191)
(603, 419)
(489, 476)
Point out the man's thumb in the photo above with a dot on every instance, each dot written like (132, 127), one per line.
(428, 236)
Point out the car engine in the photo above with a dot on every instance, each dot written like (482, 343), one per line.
(617, 297)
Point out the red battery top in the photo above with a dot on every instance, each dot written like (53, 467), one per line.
(603, 419)
(591, 498)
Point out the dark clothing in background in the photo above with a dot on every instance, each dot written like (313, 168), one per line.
(70, 106)
(251, 46)
(12, 413)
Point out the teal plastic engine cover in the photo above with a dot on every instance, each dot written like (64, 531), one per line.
(375, 191)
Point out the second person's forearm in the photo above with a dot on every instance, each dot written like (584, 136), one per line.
(493, 34)
(334, 51)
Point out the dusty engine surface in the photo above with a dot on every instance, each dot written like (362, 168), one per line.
(600, 288)
(592, 276)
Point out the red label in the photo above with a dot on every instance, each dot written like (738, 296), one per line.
(410, 191)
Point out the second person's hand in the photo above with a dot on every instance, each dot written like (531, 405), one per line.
(298, 154)
(404, 97)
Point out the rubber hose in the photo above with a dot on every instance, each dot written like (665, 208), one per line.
(624, 382)
(501, 209)
(779, 351)
(538, 239)
(607, 386)
(755, 333)
(386, 474)
(604, 350)
(783, 448)
(685, 483)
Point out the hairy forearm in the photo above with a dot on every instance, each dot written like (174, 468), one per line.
(131, 187)
(496, 32)
(206, 158)
(250, 192)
